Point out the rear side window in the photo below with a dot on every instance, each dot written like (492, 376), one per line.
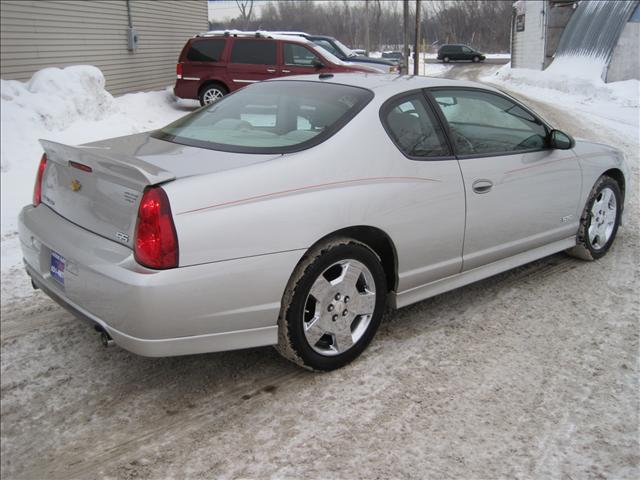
(414, 128)
(270, 117)
(257, 52)
(206, 50)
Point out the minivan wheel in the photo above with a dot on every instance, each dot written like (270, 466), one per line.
(212, 93)
(476, 59)
(599, 221)
(445, 59)
(333, 305)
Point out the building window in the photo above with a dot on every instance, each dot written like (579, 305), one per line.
(520, 23)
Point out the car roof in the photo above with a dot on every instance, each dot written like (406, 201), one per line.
(259, 34)
(385, 85)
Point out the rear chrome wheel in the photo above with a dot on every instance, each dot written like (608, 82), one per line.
(332, 306)
(339, 307)
(211, 94)
(599, 221)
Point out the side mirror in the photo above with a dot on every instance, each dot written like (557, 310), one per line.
(317, 64)
(560, 140)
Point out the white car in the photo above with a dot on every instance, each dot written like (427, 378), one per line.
(290, 213)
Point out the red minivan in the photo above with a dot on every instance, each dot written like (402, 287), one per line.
(214, 64)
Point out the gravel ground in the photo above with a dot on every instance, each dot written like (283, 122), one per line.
(529, 374)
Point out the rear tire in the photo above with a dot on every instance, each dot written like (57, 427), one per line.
(212, 93)
(332, 306)
(599, 221)
(445, 59)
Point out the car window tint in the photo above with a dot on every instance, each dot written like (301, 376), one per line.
(298, 55)
(414, 128)
(206, 50)
(259, 52)
(269, 117)
(484, 123)
(466, 50)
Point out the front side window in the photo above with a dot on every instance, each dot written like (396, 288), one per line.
(299, 56)
(413, 127)
(206, 50)
(270, 117)
(256, 52)
(485, 123)
(467, 50)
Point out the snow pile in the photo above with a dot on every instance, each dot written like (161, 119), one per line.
(575, 76)
(70, 106)
(54, 98)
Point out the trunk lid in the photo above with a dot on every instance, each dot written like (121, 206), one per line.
(98, 186)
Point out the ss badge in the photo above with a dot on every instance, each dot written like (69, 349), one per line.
(123, 237)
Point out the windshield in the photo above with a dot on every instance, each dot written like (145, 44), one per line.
(328, 55)
(347, 51)
(270, 117)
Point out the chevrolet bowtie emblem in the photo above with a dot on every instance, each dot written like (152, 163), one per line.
(76, 185)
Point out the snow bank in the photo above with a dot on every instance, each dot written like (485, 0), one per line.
(575, 76)
(68, 105)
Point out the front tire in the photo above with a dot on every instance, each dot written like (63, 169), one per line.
(333, 305)
(476, 59)
(599, 221)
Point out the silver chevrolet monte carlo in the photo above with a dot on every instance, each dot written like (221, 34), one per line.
(291, 212)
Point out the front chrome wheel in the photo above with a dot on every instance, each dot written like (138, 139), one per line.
(604, 214)
(339, 307)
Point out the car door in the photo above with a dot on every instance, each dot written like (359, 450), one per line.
(466, 53)
(297, 59)
(520, 194)
(252, 60)
(428, 223)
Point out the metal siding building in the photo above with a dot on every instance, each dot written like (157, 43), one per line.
(39, 34)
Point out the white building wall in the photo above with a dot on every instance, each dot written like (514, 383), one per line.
(528, 47)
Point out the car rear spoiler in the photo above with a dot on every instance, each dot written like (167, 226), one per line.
(127, 168)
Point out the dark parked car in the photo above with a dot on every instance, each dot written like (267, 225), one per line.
(447, 53)
(345, 54)
(393, 56)
(213, 64)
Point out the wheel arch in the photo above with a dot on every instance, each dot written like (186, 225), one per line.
(617, 175)
(210, 82)
(378, 241)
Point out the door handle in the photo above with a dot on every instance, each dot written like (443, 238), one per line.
(286, 71)
(482, 186)
(271, 70)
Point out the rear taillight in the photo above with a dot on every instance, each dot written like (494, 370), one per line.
(179, 70)
(156, 242)
(37, 188)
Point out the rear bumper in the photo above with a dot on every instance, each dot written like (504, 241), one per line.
(203, 308)
(187, 88)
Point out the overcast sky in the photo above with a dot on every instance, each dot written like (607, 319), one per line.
(223, 10)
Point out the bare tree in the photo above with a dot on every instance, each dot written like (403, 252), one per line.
(246, 9)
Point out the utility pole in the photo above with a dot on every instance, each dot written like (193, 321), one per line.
(367, 44)
(405, 53)
(416, 47)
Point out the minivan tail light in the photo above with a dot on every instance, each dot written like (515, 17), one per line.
(179, 71)
(37, 188)
(155, 240)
